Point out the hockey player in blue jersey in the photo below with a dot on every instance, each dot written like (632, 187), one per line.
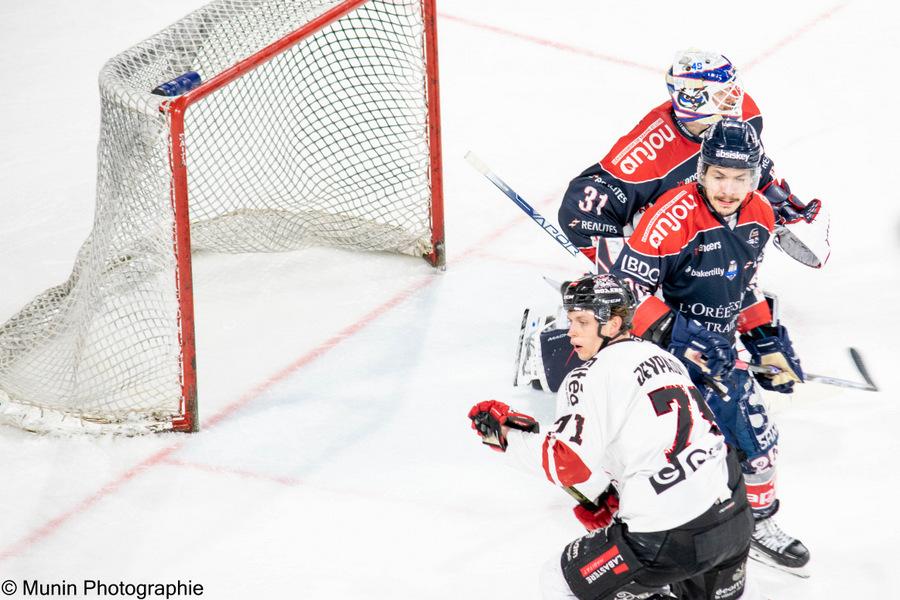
(603, 204)
(606, 201)
(693, 260)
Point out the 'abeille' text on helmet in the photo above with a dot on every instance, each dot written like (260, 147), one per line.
(704, 87)
(732, 144)
(600, 295)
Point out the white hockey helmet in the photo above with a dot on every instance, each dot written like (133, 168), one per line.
(704, 87)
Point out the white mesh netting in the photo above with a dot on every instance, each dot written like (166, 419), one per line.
(327, 143)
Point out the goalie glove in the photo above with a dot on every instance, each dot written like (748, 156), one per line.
(787, 207)
(690, 338)
(771, 345)
(490, 417)
(603, 516)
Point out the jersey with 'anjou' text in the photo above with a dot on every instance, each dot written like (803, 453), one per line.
(704, 267)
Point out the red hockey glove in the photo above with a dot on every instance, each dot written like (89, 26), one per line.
(491, 416)
(603, 516)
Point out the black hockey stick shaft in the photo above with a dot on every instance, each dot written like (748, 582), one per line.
(581, 498)
(868, 386)
(861, 367)
(529, 210)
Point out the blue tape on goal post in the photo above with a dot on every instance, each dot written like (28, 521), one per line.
(547, 226)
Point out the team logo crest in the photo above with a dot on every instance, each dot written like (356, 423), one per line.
(732, 271)
(753, 239)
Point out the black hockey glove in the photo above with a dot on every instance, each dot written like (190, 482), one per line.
(771, 345)
(717, 352)
(490, 416)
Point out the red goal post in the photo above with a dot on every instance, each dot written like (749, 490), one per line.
(177, 109)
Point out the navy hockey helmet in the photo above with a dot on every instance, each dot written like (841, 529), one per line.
(732, 144)
(602, 295)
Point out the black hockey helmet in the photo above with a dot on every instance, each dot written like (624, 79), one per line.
(600, 295)
(733, 144)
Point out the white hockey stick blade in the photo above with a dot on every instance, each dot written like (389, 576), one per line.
(556, 285)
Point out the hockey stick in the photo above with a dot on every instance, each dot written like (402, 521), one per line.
(861, 367)
(581, 498)
(535, 216)
(868, 386)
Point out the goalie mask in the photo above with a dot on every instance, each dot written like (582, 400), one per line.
(603, 296)
(704, 87)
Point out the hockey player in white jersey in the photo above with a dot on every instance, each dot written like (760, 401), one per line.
(669, 517)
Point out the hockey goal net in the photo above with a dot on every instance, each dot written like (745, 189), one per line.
(316, 122)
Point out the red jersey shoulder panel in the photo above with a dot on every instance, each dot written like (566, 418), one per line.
(757, 209)
(672, 221)
(749, 109)
(634, 157)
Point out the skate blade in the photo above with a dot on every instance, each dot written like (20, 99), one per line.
(765, 559)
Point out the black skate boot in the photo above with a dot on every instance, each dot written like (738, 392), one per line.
(772, 546)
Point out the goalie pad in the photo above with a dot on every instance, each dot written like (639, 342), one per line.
(545, 354)
(529, 363)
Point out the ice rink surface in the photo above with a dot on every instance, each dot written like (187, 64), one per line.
(336, 460)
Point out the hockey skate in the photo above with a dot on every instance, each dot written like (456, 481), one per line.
(773, 547)
(529, 366)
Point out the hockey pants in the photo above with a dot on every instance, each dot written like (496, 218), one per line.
(701, 560)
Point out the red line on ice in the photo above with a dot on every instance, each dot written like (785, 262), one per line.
(174, 462)
(55, 523)
(162, 456)
(552, 44)
(792, 36)
(368, 495)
